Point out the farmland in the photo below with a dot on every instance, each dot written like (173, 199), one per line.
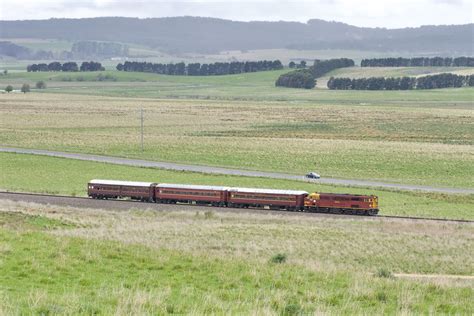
(73, 261)
(62, 260)
(396, 140)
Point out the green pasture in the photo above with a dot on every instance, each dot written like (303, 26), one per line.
(60, 260)
(379, 142)
(259, 86)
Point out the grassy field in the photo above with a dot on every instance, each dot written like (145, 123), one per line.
(259, 86)
(404, 144)
(29, 173)
(58, 260)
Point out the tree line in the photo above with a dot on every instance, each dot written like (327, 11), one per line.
(419, 62)
(444, 80)
(301, 78)
(322, 67)
(197, 69)
(70, 66)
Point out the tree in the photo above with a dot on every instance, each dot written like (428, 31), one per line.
(322, 67)
(9, 89)
(70, 66)
(302, 64)
(5, 72)
(292, 64)
(301, 78)
(41, 85)
(54, 66)
(25, 88)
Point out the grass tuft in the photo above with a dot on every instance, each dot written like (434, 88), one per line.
(384, 273)
(278, 258)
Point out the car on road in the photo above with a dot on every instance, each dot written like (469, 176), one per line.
(312, 175)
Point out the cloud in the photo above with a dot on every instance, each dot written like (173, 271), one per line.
(382, 13)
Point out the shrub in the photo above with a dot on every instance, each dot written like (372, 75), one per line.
(25, 88)
(278, 258)
(41, 85)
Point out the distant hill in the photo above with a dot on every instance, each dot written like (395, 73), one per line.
(210, 35)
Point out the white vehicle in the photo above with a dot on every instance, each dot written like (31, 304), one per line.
(313, 175)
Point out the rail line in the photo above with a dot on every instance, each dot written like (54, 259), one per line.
(92, 203)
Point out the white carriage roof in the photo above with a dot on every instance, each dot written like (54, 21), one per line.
(192, 187)
(126, 183)
(267, 191)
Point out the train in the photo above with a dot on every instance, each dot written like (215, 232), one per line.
(223, 196)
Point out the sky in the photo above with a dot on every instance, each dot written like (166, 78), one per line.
(370, 13)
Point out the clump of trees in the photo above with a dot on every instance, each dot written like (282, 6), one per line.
(322, 67)
(419, 62)
(444, 80)
(70, 66)
(292, 64)
(301, 78)
(197, 69)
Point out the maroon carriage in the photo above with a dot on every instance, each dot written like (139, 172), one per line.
(113, 189)
(274, 199)
(191, 194)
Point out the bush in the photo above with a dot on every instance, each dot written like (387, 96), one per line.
(40, 85)
(25, 88)
(278, 258)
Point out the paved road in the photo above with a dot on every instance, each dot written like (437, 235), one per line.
(228, 171)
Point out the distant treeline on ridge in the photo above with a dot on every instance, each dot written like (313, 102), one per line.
(419, 62)
(68, 66)
(197, 69)
(444, 80)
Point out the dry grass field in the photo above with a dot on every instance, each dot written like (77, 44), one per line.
(391, 143)
(106, 262)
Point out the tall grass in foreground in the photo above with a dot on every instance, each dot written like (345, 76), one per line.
(46, 272)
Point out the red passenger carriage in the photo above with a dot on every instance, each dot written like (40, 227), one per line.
(277, 199)
(113, 189)
(188, 193)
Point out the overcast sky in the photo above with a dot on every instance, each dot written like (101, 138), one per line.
(381, 13)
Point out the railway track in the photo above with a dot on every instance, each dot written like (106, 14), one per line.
(86, 202)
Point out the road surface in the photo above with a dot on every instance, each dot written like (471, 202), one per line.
(236, 172)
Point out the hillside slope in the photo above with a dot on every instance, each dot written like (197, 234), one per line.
(206, 35)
